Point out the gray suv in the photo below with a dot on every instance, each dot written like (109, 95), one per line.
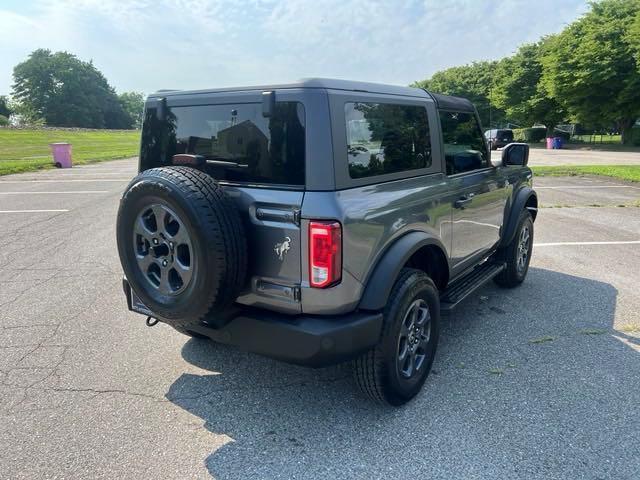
(321, 222)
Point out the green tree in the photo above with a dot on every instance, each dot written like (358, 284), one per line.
(518, 91)
(66, 92)
(5, 110)
(133, 105)
(633, 37)
(590, 68)
(474, 82)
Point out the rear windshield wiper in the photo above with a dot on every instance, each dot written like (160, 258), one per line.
(226, 163)
(199, 160)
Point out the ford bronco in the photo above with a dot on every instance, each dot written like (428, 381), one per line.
(321, 222)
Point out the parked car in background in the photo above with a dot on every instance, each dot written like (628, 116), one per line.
(498, 138)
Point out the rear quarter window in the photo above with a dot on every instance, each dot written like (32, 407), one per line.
(386, 138)
(237, 142)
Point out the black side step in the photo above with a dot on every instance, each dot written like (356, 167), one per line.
(465, 286)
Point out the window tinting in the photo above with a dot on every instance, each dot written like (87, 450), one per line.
(464, 147)
(384, 138)
(236, 141)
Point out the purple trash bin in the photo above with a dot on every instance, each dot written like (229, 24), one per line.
(61, 154)
(549, 143)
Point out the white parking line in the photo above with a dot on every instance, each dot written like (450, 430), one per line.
(32, 211)
(574, 187)
(560, 244)
(66, 181)
(83, 192)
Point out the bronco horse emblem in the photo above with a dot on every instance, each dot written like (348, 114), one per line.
(282, 248)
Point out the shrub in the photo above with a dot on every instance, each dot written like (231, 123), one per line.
(635, 136)
(529, 135)
(4, 121)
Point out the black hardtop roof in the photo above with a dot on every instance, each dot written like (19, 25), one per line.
(449, 102)
(323, 83)
(443, 101)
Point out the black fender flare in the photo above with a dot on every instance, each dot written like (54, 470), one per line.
(379, 284)
(520, 200)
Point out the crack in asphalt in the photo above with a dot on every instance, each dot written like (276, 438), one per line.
(121, 391)
(27, 290)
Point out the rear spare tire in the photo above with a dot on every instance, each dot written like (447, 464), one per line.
(182, 245)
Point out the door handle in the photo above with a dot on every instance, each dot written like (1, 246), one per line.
(462, 201)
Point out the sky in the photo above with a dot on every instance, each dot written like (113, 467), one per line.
(146, 45)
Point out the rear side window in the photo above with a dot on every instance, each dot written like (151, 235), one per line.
(386, 138)
(237, 142)
(464, 146)
(505, 134)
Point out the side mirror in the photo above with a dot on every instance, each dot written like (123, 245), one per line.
(515, 154)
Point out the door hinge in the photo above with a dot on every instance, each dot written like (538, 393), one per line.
(277, 215)
(276, 290)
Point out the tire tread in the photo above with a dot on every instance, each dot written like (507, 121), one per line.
(369, 368)
(219, 224)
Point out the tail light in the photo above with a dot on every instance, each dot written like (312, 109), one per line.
(325, 254)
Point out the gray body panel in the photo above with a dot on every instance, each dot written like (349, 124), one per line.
(375, 212)
(269, 220)
(374, 217)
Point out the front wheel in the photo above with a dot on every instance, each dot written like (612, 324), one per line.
(517, 254)
(394, 371)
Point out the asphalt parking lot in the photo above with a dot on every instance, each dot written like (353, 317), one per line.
(538, 382)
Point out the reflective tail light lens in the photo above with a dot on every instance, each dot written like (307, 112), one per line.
(325, 254)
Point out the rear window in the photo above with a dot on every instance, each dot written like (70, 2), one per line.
(505, 134)
(386, 138)
(237, 142)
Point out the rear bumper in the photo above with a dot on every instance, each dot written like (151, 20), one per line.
(309, 340)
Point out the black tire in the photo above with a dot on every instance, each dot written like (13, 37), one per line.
(517, 267)
(215, 246)
(380, 373)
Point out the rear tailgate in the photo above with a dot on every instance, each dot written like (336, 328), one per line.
(272, 221)
(258, 155)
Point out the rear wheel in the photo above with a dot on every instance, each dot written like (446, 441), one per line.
(395, 370)
(517, 254)
(182, 245)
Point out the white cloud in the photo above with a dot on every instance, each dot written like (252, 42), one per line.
(146, 44)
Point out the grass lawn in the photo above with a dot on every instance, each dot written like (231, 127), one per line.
(598, 139)
(624, 172)
(26, 150)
